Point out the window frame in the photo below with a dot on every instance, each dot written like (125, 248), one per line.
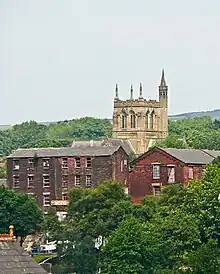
(31, 162)
(45, 183)
(156, 193)
(65, 194)
(29, 183)
(66, 181)
(88, 160)
(46, 163)
(156, 176)
(122, 165)
(16, 183)
(16, 166)
(88, 180)
(64, 163)
(77, 162)
(77, 180)
(169, 169)
(46, 195)
(190, 169)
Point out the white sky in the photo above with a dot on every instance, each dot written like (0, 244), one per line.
(60, 59)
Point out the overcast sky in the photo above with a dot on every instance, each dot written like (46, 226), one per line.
(60, 59)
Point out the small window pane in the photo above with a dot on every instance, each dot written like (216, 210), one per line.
(156, 172)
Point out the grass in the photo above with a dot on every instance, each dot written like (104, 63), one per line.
(41, 257)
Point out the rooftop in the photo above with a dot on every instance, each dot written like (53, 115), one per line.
(65, 152)
(188, 155)
(192, 156)
(13, 260)
(109, 142)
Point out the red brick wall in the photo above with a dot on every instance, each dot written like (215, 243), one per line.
(197, 173)
(120, 168)
(141, 176)
(102, 168)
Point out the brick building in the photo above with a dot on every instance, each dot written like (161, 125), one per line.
(163, 166)
(48, 173)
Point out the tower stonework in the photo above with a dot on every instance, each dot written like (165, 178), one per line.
(143, 122)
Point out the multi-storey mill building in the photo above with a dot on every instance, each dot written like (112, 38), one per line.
(143, 122)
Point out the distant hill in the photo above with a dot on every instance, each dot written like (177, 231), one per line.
(4, 127)
(215, 114)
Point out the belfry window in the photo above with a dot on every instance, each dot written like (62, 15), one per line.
(124, 120)
(152, 120)
(133, 120)
(147, 120)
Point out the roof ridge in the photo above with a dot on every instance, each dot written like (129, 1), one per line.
(206, 152)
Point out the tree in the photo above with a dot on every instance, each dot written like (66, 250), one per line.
(3, 170)
(32, 134)
(79, 253)
(201, 200)
(92, 215)
(20, 210)
(135, 247)
(92, 210)
(173, 141)
(51, 226)
(204, 260)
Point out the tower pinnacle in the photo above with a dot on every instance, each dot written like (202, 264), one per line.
(163, 90)
(163, 81)
(131, 93)
(116, 92)
(140, 94)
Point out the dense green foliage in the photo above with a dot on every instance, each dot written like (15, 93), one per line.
(201, 133)
(32, 134)
(176, 232)
(20, 210)
(3, 170)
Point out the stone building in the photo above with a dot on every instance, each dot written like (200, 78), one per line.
(48, 173)
(160, 167)
(141, 121)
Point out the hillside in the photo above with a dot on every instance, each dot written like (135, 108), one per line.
(214, 114)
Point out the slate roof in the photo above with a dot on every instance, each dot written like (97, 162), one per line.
(126, 144)
(190, 156)
(13, 260)
(64, 152)
(87, 143)
(213, 153)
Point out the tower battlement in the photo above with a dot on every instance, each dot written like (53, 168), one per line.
(142, 121)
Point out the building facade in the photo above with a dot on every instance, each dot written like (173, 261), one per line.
(48, 173)
(141, 121)
(160, 167)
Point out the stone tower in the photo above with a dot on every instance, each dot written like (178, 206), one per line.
(141, 121)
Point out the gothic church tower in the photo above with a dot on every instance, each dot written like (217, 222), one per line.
(141, 121)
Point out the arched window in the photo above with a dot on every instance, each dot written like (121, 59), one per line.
(124, 119)
(147, 119)
(152, 120)
(133, 119)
